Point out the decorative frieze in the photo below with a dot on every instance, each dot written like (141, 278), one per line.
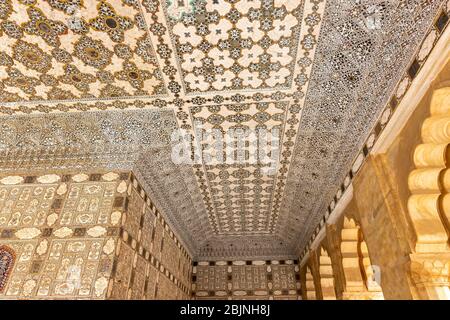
(235, 280)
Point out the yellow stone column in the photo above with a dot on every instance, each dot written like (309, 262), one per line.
(354, 282)
(429, 203)
(310, 288)
(326, 276)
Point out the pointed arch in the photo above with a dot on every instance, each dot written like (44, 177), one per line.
(7, 260)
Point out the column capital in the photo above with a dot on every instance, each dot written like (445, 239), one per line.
(430, 269)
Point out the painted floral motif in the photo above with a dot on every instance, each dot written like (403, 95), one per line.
(112, 91)
(111, 23)
(67, 6)
(5, 60)
(92, 52)
(131, 73)
(11, 29)
(5, 9)
(49, 38)
(60, 94)
(61, 55)
(144, 49)
(31, 56)
(7, 96)
(76, 78)
(17, 79)
(49, 30)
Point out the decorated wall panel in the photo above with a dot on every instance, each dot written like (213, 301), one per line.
(62, 231)
(238, 280)
(170, 255)
(86, 236)
(149, 257)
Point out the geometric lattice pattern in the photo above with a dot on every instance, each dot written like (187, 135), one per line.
(64, 50)
(236, 45)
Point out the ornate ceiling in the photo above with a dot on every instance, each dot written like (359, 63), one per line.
(92, 84)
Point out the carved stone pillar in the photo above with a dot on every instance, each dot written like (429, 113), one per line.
(429, 203)
(310, 287)
(360, 282)
(354, 282)
(326, 276)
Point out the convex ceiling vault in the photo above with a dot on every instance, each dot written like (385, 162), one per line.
(91, 84)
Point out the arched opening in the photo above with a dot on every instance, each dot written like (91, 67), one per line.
(7, 259)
